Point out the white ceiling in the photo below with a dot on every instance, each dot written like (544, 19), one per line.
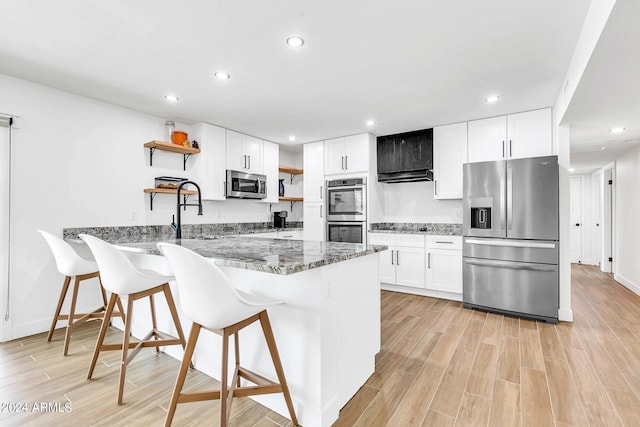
(608, 94)
(407, 64)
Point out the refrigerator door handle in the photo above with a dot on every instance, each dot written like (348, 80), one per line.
(511, 265)
(502, 202)
(509, 198)
(510, 243)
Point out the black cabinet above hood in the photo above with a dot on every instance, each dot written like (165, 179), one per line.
(405, 157)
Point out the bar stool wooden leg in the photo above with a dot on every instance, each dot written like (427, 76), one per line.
(174, 315)
(63, 294)
(271, 343)
(154, 323)
(236, 337)
(102, 333)
(224, 393)
(125, 348)
(182, 373)
(72, 312)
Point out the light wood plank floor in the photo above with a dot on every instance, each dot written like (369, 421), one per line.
(440, 365)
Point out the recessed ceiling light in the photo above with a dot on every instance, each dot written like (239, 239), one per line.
(295, 41)
(616, 130)
(171, 98)
(492, 98)
(292, 138)
(221, 75)
(371, 122)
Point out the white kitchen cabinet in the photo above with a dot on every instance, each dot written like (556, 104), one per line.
(347, 154)
(487, 139)
(514, 136)
(403, 263)
(244, 152)
(449, 154)
(270, 163)
(529, 134)
(212, 141)
(314, 222)
(280, 234)
(444, 264)
(313, 167)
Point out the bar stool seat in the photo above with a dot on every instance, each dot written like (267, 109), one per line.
(72, 265)
(124, 280)
(209, 299)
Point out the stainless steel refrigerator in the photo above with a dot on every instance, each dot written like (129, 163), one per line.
(510, 244)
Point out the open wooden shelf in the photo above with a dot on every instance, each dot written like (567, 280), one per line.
(292, 171)
(290, 199)
(174, 148)
(153, 191)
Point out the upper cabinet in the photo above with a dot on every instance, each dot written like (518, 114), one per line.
(244, 152)
(449, 154)
(313, 166)
(271, 162)
(212, 140)
(514, 136)
(346, 154)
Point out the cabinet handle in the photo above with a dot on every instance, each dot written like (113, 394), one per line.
(224, 188)
(342, 163)
(397, 258)
(510, 150)
(321, 192)
(244, 162)
(346, 164)
(435, 187)
(392, 257)
(249, 157)
(320, 211)
(439, 241)
(503, 153)
(428, 259)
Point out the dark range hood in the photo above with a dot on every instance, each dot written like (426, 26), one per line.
(405, 157)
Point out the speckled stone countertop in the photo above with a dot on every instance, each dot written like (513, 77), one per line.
(276, 256)
(441, 229)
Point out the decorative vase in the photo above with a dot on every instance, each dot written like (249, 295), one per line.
(281, 187)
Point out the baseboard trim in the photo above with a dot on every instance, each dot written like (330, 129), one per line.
(627, 283)
(565, 315)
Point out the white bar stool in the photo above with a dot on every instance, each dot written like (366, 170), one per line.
(72, 265)
(211, 302)
(124, 280)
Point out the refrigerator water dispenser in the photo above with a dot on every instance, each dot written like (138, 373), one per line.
(481, 218)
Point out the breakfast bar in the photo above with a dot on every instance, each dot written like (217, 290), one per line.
(327, 332)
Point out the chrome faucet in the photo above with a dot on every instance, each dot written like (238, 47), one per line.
(178, 225)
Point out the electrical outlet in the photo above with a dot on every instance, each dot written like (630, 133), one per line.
(459, 214)
(134, 216)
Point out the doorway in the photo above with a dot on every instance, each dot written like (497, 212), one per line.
(576, 235)
(5, 209)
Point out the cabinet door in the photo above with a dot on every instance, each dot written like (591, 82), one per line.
(356, 153)
(529, 134)
(449, 154)
(334, 156)
(410, 266)
(387, 266)
(236, 159)
(314, 225)
(487, 139)
(212, 141)
(444, 270)
(270, 162)
(313, 167)
(253, 148)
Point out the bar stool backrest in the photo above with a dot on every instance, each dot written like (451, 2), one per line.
(206, 294)
(68, 262)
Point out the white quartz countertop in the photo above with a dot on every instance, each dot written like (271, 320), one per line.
(278, 256)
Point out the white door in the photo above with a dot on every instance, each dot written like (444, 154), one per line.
(487, 139)
(313, 167)
(387, 266)
(410, 267)
(5, 327)
(575, 202)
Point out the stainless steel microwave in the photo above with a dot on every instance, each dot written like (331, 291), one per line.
(242, 185)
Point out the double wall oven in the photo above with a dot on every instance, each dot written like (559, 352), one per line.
(347, 210)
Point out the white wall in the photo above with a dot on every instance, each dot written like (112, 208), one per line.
(414, 202)
(627, 226)
(79, 162)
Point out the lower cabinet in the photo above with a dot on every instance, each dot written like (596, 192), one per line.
(403, 263)
(444, 264)
(431, 265)
(314, 224)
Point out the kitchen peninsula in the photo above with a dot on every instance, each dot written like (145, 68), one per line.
(328, 331)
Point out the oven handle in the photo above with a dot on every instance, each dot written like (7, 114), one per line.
(511, 265)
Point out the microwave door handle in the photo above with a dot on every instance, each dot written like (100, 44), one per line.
(509, 198)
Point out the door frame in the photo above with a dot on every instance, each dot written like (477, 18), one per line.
(6, 320)
(582, 216)
(608, 222)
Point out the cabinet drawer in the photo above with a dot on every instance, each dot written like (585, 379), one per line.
(387, 239)
(410, 240)
(444, 242)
